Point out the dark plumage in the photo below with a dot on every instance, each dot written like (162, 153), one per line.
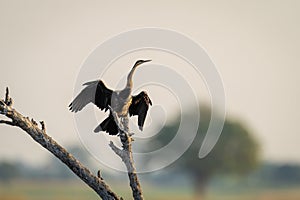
(121, 102)
(139, 106)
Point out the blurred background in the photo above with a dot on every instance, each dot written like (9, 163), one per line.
(255, 46)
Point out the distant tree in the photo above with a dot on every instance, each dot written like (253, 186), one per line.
(8, 171)
(286, 174)
(236, 152)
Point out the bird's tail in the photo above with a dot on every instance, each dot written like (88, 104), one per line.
(108, 125)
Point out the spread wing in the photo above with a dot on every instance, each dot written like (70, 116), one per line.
(94, 92)
(139, 106)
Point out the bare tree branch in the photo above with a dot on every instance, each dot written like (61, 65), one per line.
(126, 155)
(40, 136)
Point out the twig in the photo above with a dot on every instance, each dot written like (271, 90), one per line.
(8, 100)
(7, 122)
(43, 126)
(116, 149)
(99, 174)
(34, 122)
(40, 136)
(6, 95)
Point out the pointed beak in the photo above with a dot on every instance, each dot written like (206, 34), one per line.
(147, 61)
(139, 62)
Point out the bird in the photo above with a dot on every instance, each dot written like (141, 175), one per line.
(120, 101)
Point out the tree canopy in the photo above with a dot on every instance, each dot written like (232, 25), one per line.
(236, 151)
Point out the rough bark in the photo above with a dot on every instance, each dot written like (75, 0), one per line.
(39, 135)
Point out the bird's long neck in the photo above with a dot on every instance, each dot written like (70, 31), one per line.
(129, 84)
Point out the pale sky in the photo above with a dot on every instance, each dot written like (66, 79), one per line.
(254, 44)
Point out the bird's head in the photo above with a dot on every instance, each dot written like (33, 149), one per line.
(139, 62)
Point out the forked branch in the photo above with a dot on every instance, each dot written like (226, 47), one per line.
(126, 155)
(41, 137)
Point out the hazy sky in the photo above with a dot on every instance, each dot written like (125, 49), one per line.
(254, 44)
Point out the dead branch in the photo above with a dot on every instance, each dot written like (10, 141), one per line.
(126, 155)
(40, 136)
